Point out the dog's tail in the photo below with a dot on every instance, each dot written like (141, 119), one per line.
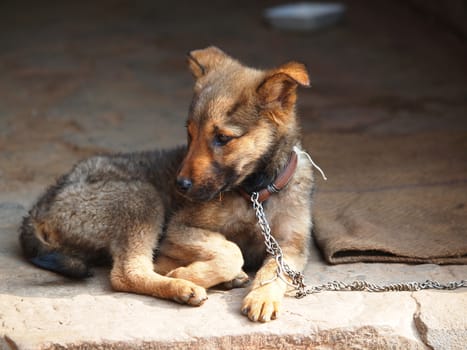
(49, 257)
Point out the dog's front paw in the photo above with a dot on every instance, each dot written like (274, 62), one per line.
(189, 293)
(263, 303)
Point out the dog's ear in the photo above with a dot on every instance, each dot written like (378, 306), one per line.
(202, 61)
(277, 92)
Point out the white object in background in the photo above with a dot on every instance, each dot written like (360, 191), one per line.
(304, 15)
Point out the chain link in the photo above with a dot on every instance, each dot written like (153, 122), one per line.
(297, 281)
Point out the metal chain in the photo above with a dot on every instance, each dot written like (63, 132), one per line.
(297, 280)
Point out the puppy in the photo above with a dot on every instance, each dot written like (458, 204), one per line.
(174, 223)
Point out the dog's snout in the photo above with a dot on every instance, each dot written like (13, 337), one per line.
(184, 183)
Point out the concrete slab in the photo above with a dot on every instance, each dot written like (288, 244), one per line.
(79, 78)
(43, 310)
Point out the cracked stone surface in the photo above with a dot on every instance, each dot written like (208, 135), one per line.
(438, 320)
(80, 78)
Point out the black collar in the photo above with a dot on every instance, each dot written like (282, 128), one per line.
(281, 181)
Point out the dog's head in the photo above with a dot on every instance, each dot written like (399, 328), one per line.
(236, 117)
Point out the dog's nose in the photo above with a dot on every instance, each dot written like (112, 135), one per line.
(184, 184)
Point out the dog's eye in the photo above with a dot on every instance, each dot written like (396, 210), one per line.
(221, 139)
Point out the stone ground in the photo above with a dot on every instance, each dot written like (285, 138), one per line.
(83, 77)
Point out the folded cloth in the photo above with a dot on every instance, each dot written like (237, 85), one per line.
(391, 198)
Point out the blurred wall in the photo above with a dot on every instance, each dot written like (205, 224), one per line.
(451, 12)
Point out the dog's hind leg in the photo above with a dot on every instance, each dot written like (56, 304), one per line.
(240, 281)
(206, 258)
(165, 265)
(133, 271)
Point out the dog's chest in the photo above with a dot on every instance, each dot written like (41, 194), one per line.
(241, 226)
(238, 218)
(243, 229)
(235, 218)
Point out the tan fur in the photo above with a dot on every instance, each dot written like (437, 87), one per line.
(241, 130)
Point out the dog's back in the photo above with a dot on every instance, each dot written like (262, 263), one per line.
(71, 224)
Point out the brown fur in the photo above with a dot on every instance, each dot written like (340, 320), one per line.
(241, 130)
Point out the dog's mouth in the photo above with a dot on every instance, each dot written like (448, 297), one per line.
(204, 193)
(199, 196)
(208, 187)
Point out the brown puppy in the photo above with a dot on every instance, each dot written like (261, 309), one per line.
(177, 222)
